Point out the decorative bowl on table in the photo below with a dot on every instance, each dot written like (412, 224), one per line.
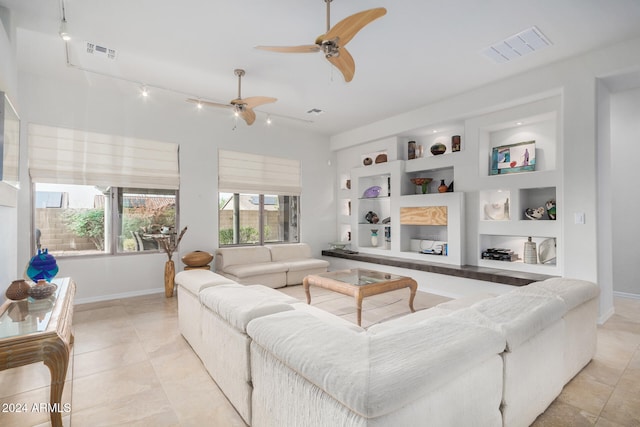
(42, 289)
(422, 182)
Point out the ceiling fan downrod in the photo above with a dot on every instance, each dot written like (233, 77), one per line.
(328, 2)
(239, 72)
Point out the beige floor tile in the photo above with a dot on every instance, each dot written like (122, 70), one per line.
(586, 394)
(132, 367)
(113, 357)
(560, 414)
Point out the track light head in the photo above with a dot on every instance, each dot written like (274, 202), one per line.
(64, 33)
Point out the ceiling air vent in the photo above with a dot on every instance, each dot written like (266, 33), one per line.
(97, 50)
(315, 111)
(518, 45)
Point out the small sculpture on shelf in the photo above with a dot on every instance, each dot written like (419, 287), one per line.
(372, 217)
(534, 214)
(443, 188)
(551, 209)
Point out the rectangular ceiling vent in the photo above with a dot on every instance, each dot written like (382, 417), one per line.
(97, 50)
(518, 45)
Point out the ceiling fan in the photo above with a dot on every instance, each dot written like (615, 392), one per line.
(243, 107)
(333, 42)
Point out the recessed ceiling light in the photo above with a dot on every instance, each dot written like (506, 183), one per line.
(145, 91)
(518, 123)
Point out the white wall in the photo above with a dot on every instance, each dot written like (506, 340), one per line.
(625, 152)
(8, 195)
(576, 80)
(102, 105)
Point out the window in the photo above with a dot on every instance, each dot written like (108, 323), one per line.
(76, 219)
(258, 199)
(256, 219)
(101, 194)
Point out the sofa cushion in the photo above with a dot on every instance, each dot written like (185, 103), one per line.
(518, 316)
(196, 280)
(325, 316)
(407, 320)
(239, 304)
(255, 269)
(289, 251)
(306, 264)
(572, 291)
(226, 257)
(370, 374)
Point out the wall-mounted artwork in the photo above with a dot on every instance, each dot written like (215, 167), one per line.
(512, 158)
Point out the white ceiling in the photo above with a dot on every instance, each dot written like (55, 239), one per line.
(420, 52)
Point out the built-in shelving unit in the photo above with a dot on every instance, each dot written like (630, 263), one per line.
(483, 210)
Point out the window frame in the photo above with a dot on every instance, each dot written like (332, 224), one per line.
(112, 226)
(261, 218)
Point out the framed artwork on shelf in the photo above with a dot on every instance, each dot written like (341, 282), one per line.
(513, 158)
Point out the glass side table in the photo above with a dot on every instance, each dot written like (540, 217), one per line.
(34, 331)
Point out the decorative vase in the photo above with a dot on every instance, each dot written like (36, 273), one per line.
(17, 290)
(530, 252)
(438, 148)
(423, 183)
(42, 266)
(374, 238)
(442, 188)
(169, 278)
(42, 289)
(411, 154)
(455, 143)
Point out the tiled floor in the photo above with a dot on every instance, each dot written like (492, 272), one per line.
(132, 367)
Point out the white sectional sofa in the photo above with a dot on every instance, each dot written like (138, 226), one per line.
(274, 266)
(482, 361)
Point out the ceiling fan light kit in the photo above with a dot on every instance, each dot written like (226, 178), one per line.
(242, 107)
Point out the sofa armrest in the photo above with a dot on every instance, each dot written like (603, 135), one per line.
(373, 375)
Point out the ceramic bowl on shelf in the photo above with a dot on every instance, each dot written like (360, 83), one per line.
(372, 192)
(338, 245)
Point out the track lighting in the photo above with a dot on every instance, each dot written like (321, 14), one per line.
(63, 30)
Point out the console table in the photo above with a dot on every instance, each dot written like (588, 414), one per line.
(40, 331)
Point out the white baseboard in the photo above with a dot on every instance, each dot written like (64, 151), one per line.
(118, 296)
(605, 316)
(626, 295)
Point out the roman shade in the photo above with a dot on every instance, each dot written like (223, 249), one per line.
(253, 173)
(69, 156)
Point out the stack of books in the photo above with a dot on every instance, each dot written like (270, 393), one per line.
(498, 254)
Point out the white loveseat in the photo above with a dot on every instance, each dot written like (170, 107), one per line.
(274, 266)
(485, 361)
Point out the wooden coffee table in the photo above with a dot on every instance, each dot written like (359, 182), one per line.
(360, 283)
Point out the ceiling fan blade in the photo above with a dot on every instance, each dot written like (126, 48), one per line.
(345, 63)
(291, 49)
(208, 103)
(255, 101)
(346, 29)
(248, 115)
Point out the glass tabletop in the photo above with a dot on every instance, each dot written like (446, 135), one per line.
(29, 315)
(360, 276)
